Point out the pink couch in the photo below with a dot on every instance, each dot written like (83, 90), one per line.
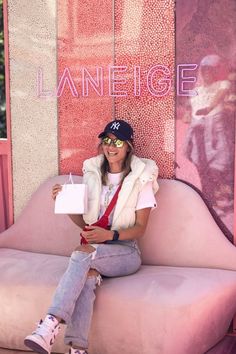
(181, 301)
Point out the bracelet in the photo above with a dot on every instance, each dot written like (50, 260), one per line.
(116, 235)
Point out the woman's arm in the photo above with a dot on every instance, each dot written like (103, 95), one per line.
(78, 220)
(98, 234)
(138, 229)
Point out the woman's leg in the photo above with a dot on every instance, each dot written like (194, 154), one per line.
(67, 292)
(110, 260)
(72, 283)
(77, 330)
(116, 260)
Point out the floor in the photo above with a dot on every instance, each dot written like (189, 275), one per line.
(226, 346)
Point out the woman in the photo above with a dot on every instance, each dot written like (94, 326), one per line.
(209, 143)
(109, 252)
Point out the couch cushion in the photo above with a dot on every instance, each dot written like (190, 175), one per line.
(27, 283)
(154, 311)
(163, 310)
(38, 229)
(180, 232)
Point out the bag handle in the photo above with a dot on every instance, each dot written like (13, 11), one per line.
(70, 179)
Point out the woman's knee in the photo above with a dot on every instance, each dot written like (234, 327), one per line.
(85, 248)
(93, 273)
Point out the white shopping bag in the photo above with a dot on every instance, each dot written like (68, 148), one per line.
(72, 199)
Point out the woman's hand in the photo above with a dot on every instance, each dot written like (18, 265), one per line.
(97, 234)
(55, 190)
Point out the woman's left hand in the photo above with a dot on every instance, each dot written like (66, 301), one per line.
(97, 234)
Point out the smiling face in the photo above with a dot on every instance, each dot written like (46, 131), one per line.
(115, 155)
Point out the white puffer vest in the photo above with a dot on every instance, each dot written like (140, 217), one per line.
(142, 171)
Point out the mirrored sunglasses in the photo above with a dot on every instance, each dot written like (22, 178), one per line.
(116, 142)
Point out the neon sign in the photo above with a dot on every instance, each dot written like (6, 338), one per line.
(158, 81)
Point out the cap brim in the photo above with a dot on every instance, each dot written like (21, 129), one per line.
(117, 134)
(101, 135)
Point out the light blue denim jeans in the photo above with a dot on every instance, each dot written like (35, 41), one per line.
(74, 297)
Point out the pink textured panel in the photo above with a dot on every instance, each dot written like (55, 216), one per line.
(205, 134)
(85, 40)
(144, 38)
(5, 146)
(4, 205)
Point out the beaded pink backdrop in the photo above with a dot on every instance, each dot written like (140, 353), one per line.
(85, 40)
(132, 38)
(145, 38)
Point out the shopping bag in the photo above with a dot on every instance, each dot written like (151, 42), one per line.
(72, 199)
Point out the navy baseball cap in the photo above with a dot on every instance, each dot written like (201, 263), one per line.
(121, 129)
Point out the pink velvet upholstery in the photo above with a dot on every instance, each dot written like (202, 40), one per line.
(182, 232)
(38, 229)
(173, 304)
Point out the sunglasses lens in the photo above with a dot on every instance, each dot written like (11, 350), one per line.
(106, 141)
(118, 143)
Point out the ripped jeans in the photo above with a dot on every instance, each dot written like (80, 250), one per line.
(74, 297)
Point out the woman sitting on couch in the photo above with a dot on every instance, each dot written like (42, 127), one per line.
(121, 190)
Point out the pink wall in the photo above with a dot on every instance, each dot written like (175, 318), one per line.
(132, 34)
(6, 196)
(146, 43)
(84, 40)
(205, 144)
(4, 186)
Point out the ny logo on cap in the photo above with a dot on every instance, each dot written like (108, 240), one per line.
(115, 125)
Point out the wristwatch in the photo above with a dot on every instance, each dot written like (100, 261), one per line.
(116, 235)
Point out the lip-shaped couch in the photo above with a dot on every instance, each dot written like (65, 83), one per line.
(181, 301)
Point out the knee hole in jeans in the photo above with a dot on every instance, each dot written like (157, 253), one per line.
(92, 272)
(85, 248)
